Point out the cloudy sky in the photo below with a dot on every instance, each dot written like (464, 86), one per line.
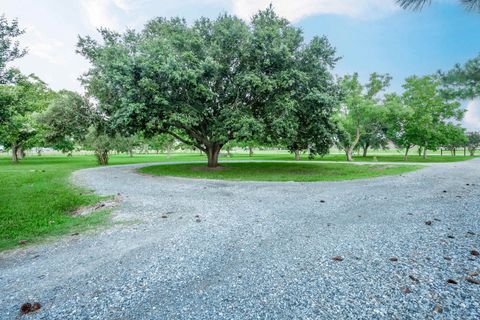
(370, 35)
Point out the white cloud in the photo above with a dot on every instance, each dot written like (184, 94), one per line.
(123, 5)
(295, 10)
(472, 116)
(42, 46)
(98, 13)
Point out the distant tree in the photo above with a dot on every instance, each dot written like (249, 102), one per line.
(66, 121)
(361, 111)
(430, 111)
(9, 48)
(375, 138)
(205, 83)
(162, 143)
(125, 144)
(453, 137)
(473, 142)
(473, 5)
(22, 100)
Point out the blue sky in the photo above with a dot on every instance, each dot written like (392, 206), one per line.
(370, 35)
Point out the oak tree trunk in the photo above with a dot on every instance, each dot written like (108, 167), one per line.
(213, 151)
(250, 151)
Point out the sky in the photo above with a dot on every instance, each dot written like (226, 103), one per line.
(369, 35)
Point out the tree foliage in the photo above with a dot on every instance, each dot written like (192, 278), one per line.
(316, 97)
(463, 81)
(66, 120)
(473, 5)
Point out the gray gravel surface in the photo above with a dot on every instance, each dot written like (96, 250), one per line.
(254, 250)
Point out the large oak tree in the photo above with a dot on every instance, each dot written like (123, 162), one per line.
(210, 82)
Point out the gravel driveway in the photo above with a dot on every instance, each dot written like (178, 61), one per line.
(204, 249)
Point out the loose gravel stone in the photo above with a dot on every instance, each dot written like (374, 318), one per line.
(263, 250)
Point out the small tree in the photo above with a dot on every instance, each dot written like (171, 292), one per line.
(101, 143)
(360, 113)
(473, 142)
(453, 137)
(22, 100)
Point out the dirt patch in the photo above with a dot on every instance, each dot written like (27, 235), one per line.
(86, 210)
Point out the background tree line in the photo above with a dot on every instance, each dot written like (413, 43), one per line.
(217, 84)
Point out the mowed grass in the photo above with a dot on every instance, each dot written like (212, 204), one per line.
(36, 196)
(278, 171)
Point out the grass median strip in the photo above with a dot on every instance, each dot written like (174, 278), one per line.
(278, 171)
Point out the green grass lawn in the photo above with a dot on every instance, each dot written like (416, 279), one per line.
(275, 171)
(36, 196)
